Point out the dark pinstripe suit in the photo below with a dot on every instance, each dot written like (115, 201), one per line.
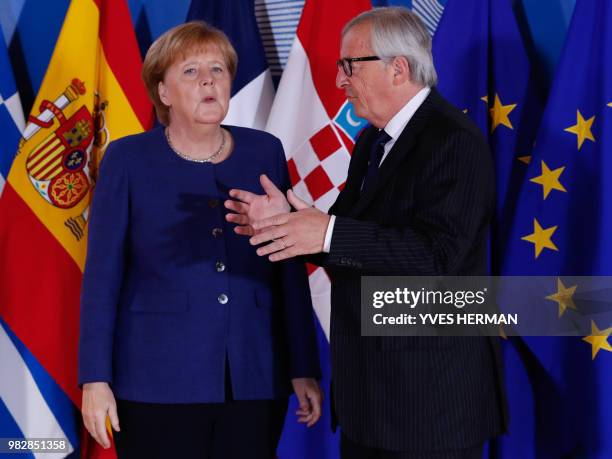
(426, 214)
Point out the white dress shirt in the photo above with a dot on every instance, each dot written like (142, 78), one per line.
(394, 128)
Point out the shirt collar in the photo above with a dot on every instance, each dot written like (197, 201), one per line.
(396, 125)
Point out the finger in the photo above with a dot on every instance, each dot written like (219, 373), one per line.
(244, 230)
(302, 401)
(289, 252)
(237, 219)
(93, 432)
(271, 221)
(316, 409)
(269, 187)
(270, 235)
(89, 424)
(114, 417)
(100, 429)
(296, 202)
(273, 247)
(242, 195)
(305, 420)
(236, 206)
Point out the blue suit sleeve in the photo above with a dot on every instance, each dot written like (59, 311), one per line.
(299, 320)
(104, 269)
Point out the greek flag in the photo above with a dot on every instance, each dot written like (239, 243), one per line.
(11, 115)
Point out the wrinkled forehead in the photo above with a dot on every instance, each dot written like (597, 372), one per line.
(356, 41)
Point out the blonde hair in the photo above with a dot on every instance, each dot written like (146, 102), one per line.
(180, 42)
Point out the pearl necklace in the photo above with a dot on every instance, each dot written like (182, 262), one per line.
(192, 159)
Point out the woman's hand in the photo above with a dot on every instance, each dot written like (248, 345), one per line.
(250, 207)
(310, 398)
(98, 402)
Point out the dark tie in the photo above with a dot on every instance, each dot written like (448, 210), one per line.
(376, 154)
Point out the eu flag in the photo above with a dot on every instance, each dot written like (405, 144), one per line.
(484, 70)
(562, 227)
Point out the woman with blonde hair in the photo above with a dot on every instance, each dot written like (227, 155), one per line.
(190, 343)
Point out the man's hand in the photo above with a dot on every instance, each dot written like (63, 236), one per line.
(310, 397)
(98, 403)
(292, 234)
(250, 207)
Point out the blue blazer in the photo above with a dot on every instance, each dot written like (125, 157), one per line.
(170, 291)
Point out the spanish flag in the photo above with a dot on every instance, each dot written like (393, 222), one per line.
(91, 94)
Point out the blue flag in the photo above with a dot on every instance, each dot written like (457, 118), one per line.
(560, 399)
(11, 115)
(484, 70)
(252, 89)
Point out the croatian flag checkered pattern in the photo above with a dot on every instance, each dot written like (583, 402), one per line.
(313, 119)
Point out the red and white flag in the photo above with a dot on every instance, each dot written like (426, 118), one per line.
(313, 119)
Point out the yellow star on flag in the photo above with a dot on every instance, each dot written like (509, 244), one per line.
(541, 238)
(582, 129)
(598, 339)
(610, 105)
(485, 99)
(549, 179)
(499, 114)
(525, 159)
(563, 297)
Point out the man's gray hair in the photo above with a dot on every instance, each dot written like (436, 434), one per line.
(397, 31)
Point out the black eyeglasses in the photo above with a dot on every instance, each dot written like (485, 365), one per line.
(346, 64)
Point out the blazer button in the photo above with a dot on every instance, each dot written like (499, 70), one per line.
(217, 232)
(223, 299)
(220, 266)
(212, 203)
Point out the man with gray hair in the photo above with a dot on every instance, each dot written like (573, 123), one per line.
(417, 202)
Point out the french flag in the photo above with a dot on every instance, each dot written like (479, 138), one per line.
(252, 89)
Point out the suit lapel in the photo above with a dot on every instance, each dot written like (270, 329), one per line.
(356, 172)
(401, 149)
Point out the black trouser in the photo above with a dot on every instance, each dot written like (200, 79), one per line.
(232, 430)
(351, 450)
(236, 429)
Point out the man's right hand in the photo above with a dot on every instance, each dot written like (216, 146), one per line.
(250, 207)
(99, 402)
